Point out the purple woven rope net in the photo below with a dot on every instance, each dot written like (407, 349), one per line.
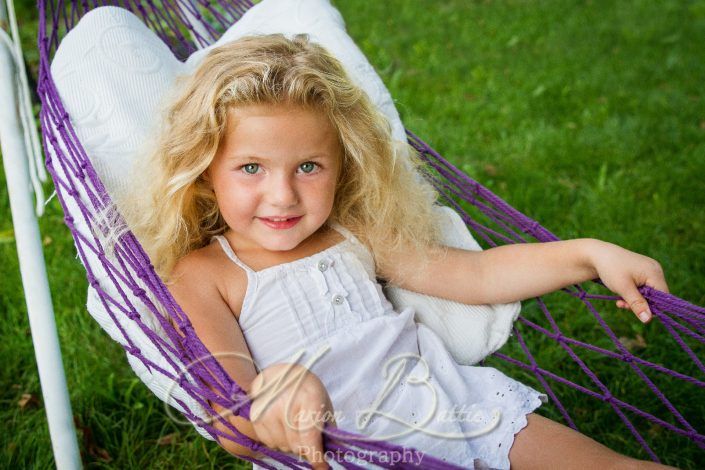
(127, 276)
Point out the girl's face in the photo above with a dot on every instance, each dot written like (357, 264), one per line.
(275, 162)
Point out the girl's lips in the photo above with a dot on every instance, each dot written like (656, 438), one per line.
(283, 224)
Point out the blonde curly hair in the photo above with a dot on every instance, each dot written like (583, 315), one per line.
(380, 195)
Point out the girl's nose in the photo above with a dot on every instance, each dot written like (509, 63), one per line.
(282, 193)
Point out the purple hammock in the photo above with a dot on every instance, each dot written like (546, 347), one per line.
(182, 25)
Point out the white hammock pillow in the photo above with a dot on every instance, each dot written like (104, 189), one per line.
(470, 332)
(112, 115)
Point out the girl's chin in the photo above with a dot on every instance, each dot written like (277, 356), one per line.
(281, 242)
(280, 246)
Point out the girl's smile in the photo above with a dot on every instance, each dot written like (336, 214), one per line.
(274, 175)
(281, 223)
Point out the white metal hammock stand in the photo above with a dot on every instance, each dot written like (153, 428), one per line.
(24, 171)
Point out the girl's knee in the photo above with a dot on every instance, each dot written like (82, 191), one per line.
(545, 444)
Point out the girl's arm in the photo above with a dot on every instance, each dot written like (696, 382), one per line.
(290, 404)
(216, 326)
(516, 272)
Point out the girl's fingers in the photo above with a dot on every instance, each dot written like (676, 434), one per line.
(272, 434)
(311, 448)
(293, 436)
(637, 303)
(655, 278)
(659, 284)
(265, 437)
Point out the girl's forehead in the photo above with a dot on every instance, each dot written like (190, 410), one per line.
(278, 127)
(242, 111)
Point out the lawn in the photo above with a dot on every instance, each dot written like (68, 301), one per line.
(586, 115)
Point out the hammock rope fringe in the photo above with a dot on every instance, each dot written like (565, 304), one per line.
(167, 344)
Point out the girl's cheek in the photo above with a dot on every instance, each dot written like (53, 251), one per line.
(242, 180)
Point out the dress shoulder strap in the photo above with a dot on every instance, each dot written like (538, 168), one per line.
(345, 232)
(364, 253)
(227, 249)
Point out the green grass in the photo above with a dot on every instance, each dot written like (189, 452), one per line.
(585, 115)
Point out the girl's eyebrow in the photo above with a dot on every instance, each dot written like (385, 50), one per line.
(248, 158)
(254, 158)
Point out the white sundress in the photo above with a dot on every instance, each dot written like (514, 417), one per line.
(388, 377)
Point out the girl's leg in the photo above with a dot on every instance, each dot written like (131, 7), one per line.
(545, 444)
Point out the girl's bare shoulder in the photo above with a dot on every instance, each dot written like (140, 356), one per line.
(199, 264)
(207, 271)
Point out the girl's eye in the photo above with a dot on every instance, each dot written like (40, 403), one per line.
(250, 168)
(308, 167)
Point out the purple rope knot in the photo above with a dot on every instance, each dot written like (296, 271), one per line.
(582, 295)
(93, 281)
(559, 337)
(182, 381)
(646, 290)
(256, 446)
(235, 392)
(73, 193)
(133, 315)
(134, 350)
(188, 333)
(627, 357)
(68, 220)
(532, 227)
(184, 327)
(138, 292)
(608, 397)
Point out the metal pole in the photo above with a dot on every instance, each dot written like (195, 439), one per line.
(33, 271)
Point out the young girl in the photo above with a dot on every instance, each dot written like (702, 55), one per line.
(276, 198)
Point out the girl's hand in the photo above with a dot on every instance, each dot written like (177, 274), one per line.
(290, 406)
(622, 271)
